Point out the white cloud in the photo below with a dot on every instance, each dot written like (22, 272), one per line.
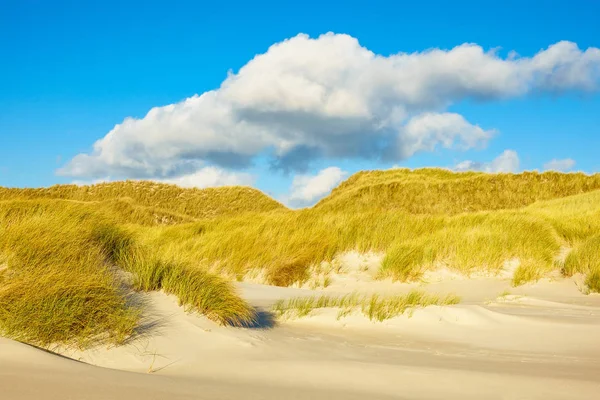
(330, 97)
(560, 165)
(308, 189)
(211, 177)
(425, 131)
(508, 161)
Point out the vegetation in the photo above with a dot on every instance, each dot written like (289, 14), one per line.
(195, 203)
(374, 306)
(64, 250)
(439, 191)
(59, 283)
(585, 259)
(55, 286)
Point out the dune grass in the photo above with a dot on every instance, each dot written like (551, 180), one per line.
(439, 191)
(56, 287)
(480, 242)
(60, 283)
(285, 245)
(165, 198)
(585, 259)
(61, 248)
(505, 221)
(374, 307)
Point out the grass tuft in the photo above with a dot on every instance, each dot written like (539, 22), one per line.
(56, 287)
(60, 282)
(585, 259)
(374, 307)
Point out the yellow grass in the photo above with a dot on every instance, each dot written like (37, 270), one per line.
(286, 244)
(438, 191)
(56, 287)
(196, 203)
(374, 307)
(585, 259)
(61, 247)
(60, 283)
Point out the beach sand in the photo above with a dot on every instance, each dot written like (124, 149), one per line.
(541, 341)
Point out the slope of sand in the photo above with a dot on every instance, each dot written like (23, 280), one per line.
(540, 341)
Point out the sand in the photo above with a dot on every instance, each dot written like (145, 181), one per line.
(540, 341)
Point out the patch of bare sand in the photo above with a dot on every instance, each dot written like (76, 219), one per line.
(536, 342)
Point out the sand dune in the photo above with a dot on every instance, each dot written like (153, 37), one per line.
(539, 342)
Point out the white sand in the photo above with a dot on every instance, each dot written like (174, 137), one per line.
(540, 342)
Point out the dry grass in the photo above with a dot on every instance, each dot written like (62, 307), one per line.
(439, 191)
(58, 251)
(285, 245)
(374, 307)
(480, 242)
(56, 287)
(58, 283)
(585, 259)
(164, 198)
(196, 289)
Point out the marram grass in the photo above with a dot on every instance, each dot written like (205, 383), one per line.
(55, 286)
(164, 198)
(585, 259)
(374, 307)
(61, 248)
(59, 280)
(439, 191)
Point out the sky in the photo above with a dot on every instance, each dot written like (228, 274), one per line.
(294, 97)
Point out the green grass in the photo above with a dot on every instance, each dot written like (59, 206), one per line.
(374, 307)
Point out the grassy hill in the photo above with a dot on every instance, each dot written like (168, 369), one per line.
(164, 198)
(63, 249)
(439, 191)
(416, 218)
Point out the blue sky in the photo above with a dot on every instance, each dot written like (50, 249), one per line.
(71, 71)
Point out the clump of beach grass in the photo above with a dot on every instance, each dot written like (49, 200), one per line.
(56, 287)
(374, 307)
(585, 259)
(196, 289)
(60, 281)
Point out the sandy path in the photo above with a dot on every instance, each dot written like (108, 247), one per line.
(540, 346)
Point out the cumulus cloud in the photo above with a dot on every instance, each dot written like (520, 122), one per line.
(563, 165)
(329, 97)
(308, 189)
(211, 177)
(508, 161)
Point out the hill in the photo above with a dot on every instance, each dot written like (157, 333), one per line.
(63, 250)
(164, 198)
(439, 191)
